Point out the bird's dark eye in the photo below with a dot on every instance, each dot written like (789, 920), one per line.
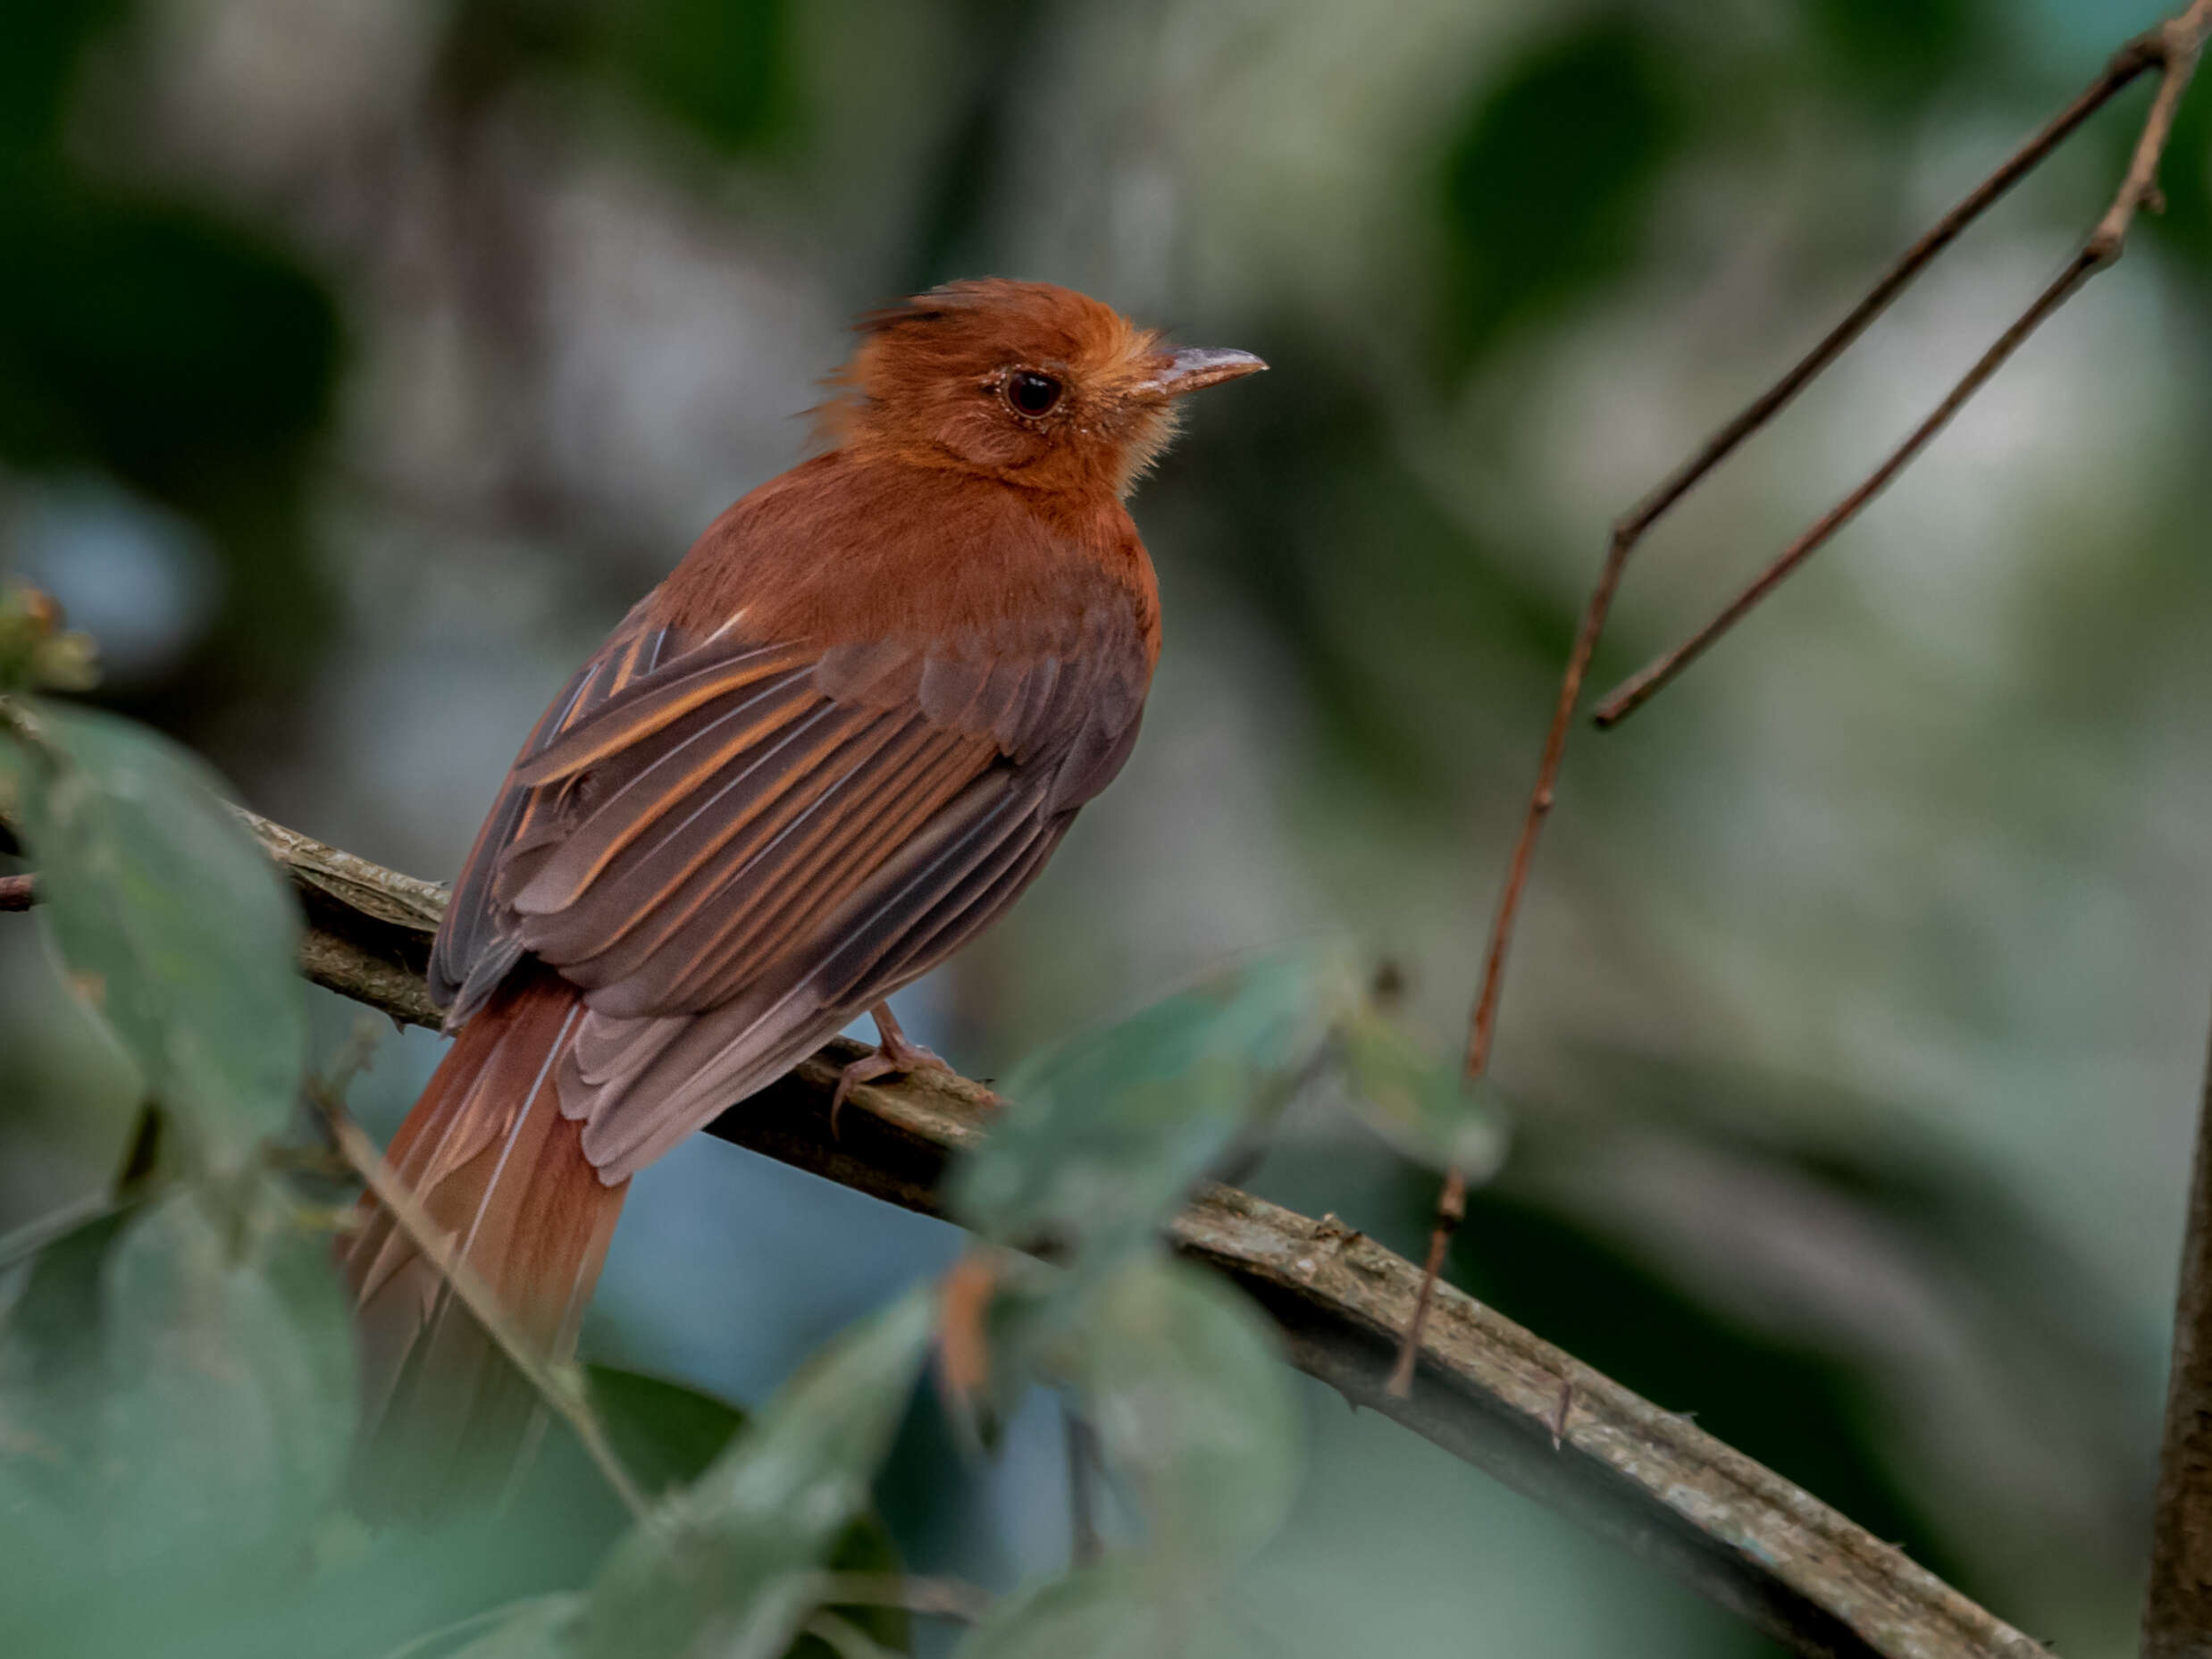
(1031, 393)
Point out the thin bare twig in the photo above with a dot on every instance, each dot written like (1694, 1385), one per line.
(1647, 1478)
(15, 893)
(561, 1386)
(2172, 49)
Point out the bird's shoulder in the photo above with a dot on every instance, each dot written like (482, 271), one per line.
(844, 549)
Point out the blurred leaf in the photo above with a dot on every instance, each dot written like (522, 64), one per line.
(714, 65)
(45, 41)
(719, 1568)
(1188, 1391)
(1102, 1611)
(1115, 1126)
(230, 1362)
(170, 920)
(1546, 188)
(156, 340)
(1110, 1611)
(177, 1404)
(538, 1628)
(666, 1435)
(1420, 1106)
(717, 66)
(1900, 50)
(194, 361)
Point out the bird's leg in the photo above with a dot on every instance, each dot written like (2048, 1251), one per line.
(893, 1057)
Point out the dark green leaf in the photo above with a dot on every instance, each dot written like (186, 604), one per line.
(1187, 1387)
(721, 1567)
(178, 1396)
(1900, 49)
(171, 921)
(714, 65)
(666, 1435)
(1114, 1128)
(1422, 1108)
(45, 43)
(1546, 189)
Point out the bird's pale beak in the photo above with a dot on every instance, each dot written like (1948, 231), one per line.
(1190, 369)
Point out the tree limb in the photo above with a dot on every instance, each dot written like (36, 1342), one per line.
(1491, 1393)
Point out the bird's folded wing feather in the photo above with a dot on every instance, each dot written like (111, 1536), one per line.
(734, 846)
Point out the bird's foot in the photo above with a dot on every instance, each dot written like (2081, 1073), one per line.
(894, 1057)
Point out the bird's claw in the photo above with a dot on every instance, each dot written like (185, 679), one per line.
(893, 1058)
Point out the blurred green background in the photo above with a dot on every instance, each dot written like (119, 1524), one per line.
(362, 360)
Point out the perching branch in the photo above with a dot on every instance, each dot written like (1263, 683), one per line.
(1493, 1394)
(2173, 49)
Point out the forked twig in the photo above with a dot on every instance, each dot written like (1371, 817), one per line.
(561, 1388)
(2173, 49)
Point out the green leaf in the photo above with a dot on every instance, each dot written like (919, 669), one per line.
(1111, 1129)
(232, 1366)
(170, 920)
(721, 1568)
(1547, 187)
(1422, 1108)
(715, 64)
(1187, 1387)
(1110, 1611)
(666, 1435)
(1100, 1613)
(541, 1628)
(176, 1405)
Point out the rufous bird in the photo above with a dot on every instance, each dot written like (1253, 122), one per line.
(827, 752)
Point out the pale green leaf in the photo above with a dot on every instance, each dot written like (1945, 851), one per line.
(1109, 1131)
(543, 1628)
(1423, 1108)
(723, 1567)
(1185, 1386)
(168, 918)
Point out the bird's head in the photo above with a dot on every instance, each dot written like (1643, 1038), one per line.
(1034, 385)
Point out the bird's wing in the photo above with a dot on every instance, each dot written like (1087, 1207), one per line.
(735, 846)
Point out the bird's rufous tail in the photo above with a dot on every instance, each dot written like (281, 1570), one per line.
(502, 1177)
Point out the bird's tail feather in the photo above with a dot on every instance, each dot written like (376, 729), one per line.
(502, 1177)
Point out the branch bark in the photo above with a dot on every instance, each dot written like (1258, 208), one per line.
(1493, 1394)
